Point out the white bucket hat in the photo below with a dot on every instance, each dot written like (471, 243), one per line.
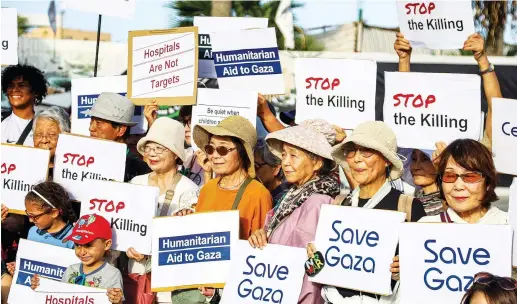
(168, 133)
(113, 107)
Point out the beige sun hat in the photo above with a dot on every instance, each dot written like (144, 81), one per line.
(233, 126)
(314, 135)
(168, 133)
(375, 135)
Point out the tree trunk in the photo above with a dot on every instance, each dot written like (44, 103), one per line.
(496, 49)
(221, 8)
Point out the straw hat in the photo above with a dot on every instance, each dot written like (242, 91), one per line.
(233, 126)
(168, 133)
(375, 135)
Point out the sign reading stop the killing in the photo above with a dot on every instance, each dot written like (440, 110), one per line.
(162, 66)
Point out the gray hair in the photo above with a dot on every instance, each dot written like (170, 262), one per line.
(56, 114)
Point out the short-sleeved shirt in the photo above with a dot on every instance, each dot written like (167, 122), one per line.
(56, 239)
(104, 277)
(12, 129)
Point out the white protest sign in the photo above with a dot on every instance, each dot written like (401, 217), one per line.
(22, 169)
(438, 24)
(438, 261)
(162, 66)
(9, 36)
(357, 253)
(424, 108)
(50, 292)
(274, 274)
(504, 134)
(248, 60)
(215, 105)
(47, 261)
(186, 253)
(114, 8)
(341, 91)
(207, 25)
(80, 158)
(84, 94)
(129, 208)
(512, 215)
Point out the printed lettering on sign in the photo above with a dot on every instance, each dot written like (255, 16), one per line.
(504, 135)
(9, 36)
(54, 292)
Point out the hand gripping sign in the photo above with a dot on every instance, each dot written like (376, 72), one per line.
(50, 292)
(504, 134)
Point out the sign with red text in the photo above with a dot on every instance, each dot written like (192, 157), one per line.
(357, 253)
(47, 261)
(437, 266)
(248, 60)
(512, 217)
(186, 253)
(341, 91)
(114, 8)
(425, 108)
(19, 175)
(207, 25)
(129, 208)
(79, 158)
(9, 36)
(84, 94)
(272, 274)
(162, 66)
(49, 292)
(438, 24)
(215, 105)
(504, 134)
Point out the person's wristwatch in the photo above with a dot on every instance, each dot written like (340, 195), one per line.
(490, 69)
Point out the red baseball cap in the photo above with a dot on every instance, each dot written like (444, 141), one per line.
(89, 228)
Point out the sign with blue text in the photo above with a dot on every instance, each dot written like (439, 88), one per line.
(54, 292)
(187, 254)
(438, 261)
(504, 134)
(357, 253)
(248, 60)
(273, 274)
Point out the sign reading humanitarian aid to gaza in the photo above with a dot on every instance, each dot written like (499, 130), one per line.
(215, 105)
(54, 292)
(22, 169)
(80, 158)
(129, 208)
(162, 66)
(504, 134)
(186, 253)
(438, 261)
(9, 36)
(47, 261)
(272, 275)
(438, 24)
(207, 25)
(425, 108)
(357, 253)
(84, 95)
(248, 60)
(328, 89)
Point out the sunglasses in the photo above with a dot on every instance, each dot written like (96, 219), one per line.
(470, 178)
(486, 278)
(365, 152)
(36, 217)
(221, 150)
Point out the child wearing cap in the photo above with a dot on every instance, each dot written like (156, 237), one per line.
(92, 238)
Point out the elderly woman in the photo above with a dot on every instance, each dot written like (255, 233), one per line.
(48, 124)
(307, 163)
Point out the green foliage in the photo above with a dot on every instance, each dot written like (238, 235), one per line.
(23, 25)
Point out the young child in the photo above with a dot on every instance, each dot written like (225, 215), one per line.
(92, 238)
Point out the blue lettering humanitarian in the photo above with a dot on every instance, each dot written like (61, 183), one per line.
(247, 288)
(85, 102)
(435, 279)
(509, 130)
(45, 270)
(249, 62)
(334, 257)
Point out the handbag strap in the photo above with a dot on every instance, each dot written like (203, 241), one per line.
(169, 195)
(240, 193)
(25, 133)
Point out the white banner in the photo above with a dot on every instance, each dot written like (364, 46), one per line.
(512, 217)
(50, 292)
(114, 8)
(424, 108)
(438, 24)
(357, 253)
(129, 208)
(19, 175)
(84, 94)
(248, 60)
(438, 261)
(207, 25)
(9, 36)
(187, 253)
(80, 158)
(504, 134)
(215, 105)
(341, 91)
(47, 261)
(274, 274)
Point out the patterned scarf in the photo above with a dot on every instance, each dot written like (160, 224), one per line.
(295, 197)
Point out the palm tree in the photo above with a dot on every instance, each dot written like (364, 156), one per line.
(221, 8)
(23, 25)
(491, 18)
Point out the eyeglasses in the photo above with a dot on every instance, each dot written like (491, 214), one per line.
(39, 136)
(36, 217)
(470, 178)
(365, 152)
(486, 278)
(221, 150)
(157, 149)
